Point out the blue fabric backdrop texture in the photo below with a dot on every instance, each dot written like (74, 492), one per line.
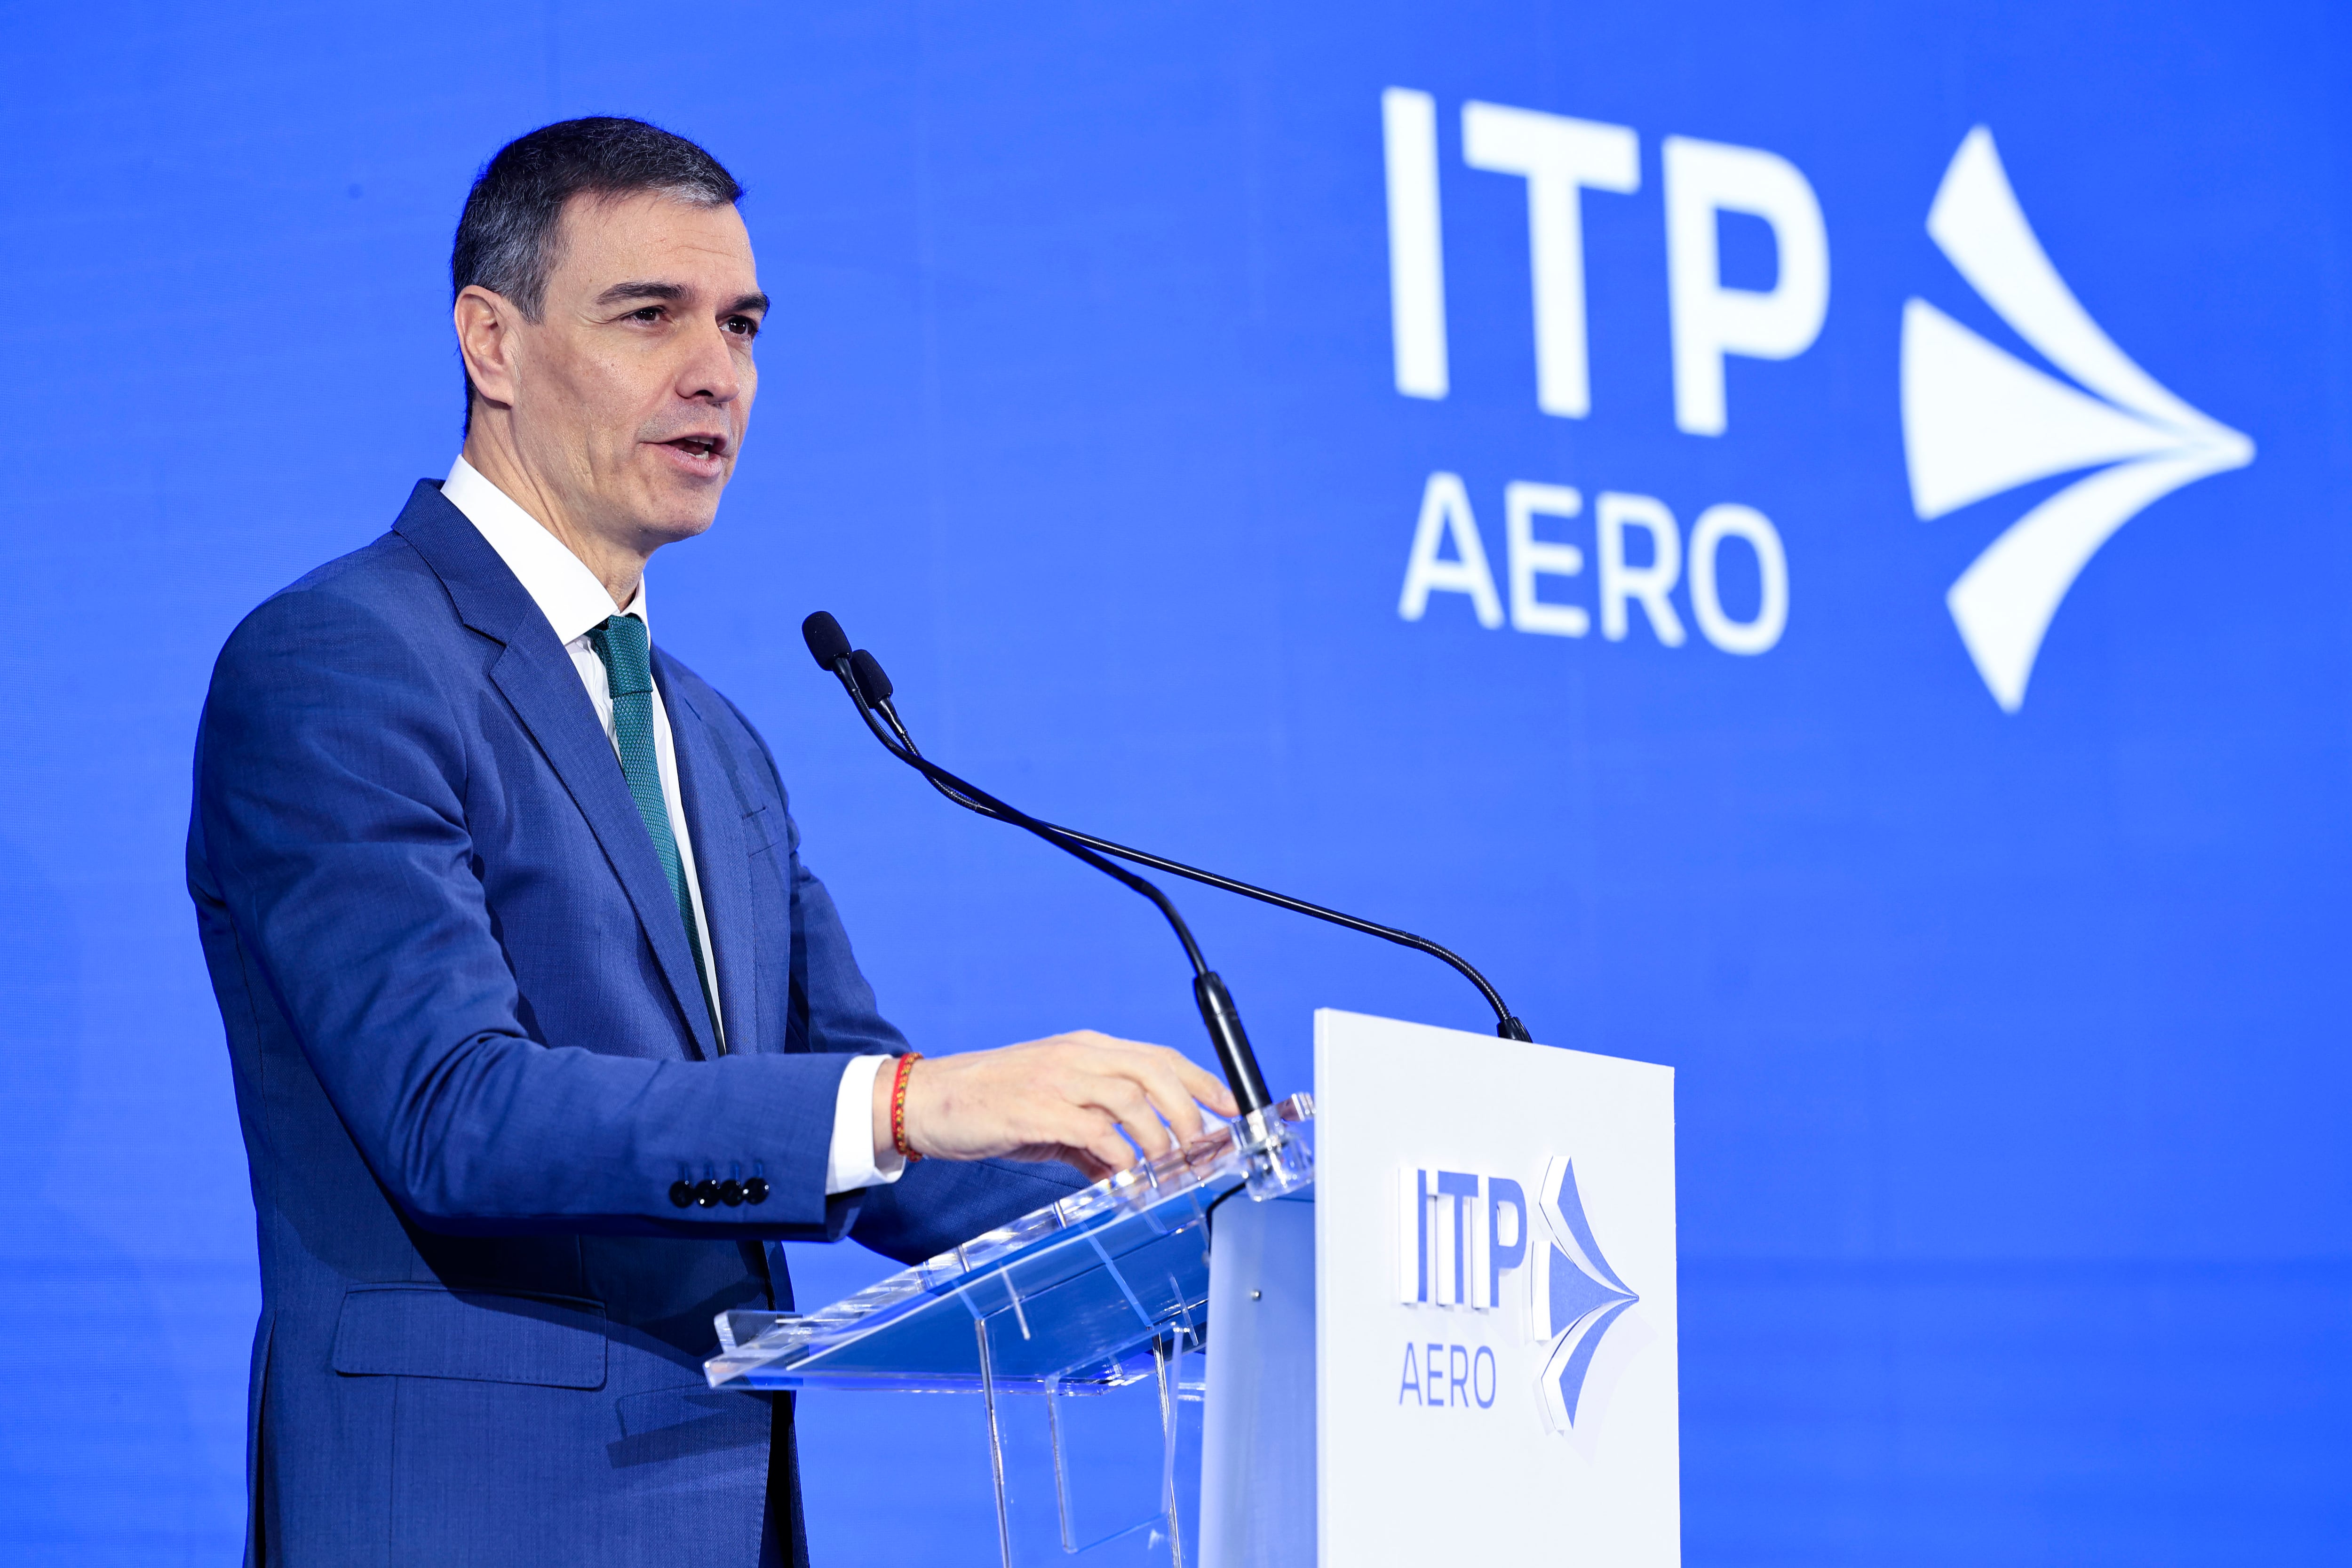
(1924, 725)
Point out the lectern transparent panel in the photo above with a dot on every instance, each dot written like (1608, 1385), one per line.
(1080, 1326)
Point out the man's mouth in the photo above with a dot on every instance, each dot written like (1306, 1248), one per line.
(701, 455)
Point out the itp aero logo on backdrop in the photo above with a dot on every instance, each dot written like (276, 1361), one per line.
(1977, 420)
(1468, 1241)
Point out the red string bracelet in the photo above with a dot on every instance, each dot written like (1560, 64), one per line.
(898, 1107)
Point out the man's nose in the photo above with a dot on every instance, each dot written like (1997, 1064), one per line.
(710, 373)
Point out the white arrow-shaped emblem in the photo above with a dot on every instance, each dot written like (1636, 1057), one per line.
(1978, 421)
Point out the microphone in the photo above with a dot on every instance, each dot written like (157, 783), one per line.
(1263, 1133)
(863, 677)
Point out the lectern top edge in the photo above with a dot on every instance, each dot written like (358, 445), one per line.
(1134, 1243)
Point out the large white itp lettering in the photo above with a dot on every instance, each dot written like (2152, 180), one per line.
(1561, 159)
(1416, 247)
(1703, 179)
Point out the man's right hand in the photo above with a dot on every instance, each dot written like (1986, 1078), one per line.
(1088, 1099)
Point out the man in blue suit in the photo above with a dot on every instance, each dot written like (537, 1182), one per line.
(542, 1034)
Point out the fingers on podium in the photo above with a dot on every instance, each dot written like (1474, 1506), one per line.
(1096, 1133)
(1130, 1100)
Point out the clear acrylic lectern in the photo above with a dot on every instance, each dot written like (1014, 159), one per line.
(1106, 1291)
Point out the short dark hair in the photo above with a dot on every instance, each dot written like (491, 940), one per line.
(507, 235)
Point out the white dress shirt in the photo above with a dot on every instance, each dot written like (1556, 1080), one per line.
(575, 603)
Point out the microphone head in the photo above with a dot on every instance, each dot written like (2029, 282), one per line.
(826, 641)
(870, 679)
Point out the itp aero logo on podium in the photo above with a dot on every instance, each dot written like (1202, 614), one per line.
(1978, 421)
(1459, 1235)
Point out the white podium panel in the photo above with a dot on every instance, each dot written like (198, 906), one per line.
(1494, 1301)
(1457, 1345)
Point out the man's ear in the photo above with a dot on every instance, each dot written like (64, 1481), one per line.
(486, 340)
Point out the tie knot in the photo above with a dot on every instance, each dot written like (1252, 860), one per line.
(621, 642)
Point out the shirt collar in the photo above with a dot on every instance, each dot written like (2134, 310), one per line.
(558, 582)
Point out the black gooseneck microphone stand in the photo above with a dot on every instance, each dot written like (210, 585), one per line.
(1261, 1129)
(862, 676)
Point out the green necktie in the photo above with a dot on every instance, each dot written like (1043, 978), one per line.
(627, 652)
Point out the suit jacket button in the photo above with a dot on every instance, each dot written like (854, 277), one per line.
(680, 1194)
(730, 1192)
(705, 1193)
(756, 1190)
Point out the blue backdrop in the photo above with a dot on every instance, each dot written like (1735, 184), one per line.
(2016, 1207)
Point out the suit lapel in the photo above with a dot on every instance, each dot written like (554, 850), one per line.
(537, 678)
(722, 865)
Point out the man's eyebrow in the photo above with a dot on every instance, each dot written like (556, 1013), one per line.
(676, 293)
(642, 289)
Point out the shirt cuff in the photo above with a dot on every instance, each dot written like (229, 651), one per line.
(851, 1163)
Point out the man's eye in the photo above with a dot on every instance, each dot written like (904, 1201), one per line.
(649, 313)
(743, 326)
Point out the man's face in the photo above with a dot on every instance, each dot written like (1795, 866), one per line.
(632, 390)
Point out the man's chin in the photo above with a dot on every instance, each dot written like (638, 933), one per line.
(671, 528)
(675, 510)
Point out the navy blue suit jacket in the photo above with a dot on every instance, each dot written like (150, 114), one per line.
(471, 1061)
